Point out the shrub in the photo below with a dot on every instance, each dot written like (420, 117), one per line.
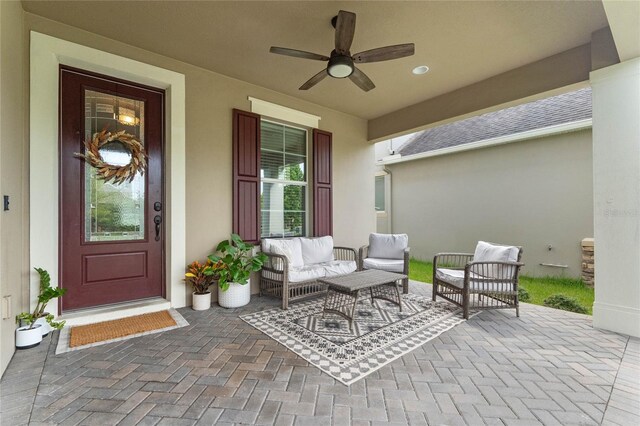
(523, 295)
(566, 303)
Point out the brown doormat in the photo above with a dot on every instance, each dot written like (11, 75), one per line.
(92, 333)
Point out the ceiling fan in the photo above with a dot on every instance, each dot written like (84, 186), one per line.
(341, 62)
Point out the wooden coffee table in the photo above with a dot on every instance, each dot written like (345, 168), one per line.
(342, 291)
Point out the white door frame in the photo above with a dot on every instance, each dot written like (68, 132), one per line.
(47, 54)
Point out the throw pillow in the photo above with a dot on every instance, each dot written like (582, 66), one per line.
(488, 252)
(290, 248)
(317, 250)
(388, 246)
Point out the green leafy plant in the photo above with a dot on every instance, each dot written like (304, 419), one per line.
(523, 295)
(234, 262)
(26, 317)
(200, 275)
(47, 293)
(566, 303)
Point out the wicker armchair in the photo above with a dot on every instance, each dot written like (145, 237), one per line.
(274, 278)
(399, 263)
(476, 285)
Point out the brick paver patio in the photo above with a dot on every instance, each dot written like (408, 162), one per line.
(547, 367)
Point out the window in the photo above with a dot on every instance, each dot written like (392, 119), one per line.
(270, 194)
(283, 180)
(380, 196)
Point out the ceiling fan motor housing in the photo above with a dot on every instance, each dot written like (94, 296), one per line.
(340, 66)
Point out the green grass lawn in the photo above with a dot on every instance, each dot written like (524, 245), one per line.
(538, 288)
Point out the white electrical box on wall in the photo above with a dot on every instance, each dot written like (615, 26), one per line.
(6, 307)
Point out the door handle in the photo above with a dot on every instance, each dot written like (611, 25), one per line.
(157, 220)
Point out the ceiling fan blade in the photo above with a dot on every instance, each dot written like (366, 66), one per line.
(385, 53)
(314, 80)
(345, 28)
(361, 80)
(298, 53)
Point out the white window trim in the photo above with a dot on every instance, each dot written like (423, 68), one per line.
(285, 181)
(280, 112)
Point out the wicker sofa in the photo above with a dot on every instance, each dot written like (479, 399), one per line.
(294, 266)
(486, 279)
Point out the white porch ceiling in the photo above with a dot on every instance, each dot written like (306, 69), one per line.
(462, 42)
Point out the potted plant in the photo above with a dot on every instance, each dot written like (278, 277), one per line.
(233, 264)
(33, 326)
(200, 275)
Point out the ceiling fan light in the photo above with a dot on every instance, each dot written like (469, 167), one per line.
(422, 69)
(340, 66)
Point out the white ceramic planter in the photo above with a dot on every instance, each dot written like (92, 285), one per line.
(236, 295)
(201, 302)
(44, 325)
(28, 337)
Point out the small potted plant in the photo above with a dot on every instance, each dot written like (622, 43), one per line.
(34, 326)
(234, 262)
(201, 276)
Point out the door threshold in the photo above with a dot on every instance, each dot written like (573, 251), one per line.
(112, 312)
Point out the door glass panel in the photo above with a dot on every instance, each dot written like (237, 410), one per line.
(112, 211)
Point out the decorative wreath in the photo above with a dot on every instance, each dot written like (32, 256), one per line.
(106, 171)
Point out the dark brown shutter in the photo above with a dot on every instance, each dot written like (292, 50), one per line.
(322, 178)
(246, 175)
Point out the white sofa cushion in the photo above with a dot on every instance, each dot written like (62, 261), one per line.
(305, 273)
(317, 250)
(390, 265)
(321, 270)
(451, 276)
(488, 252)
(388, 246)
(455, 277)
(289, 247)
(339, 267)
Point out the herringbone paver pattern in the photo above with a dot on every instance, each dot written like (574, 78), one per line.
(547, 367)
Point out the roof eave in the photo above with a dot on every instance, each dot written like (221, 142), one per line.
(557, 129)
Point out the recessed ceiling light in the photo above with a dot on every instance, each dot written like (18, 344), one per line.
(422, 69)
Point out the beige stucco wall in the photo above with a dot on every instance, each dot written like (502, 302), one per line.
(13, 229)
(210, 97)
(532, 193)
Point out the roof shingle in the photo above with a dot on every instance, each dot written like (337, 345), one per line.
(560, 109)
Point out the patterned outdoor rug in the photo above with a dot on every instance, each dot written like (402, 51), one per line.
(381, 333)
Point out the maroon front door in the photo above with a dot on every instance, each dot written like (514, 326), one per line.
(111, 235)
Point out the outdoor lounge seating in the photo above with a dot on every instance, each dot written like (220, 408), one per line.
(487, 279)
(294, 266)
(386, 252)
